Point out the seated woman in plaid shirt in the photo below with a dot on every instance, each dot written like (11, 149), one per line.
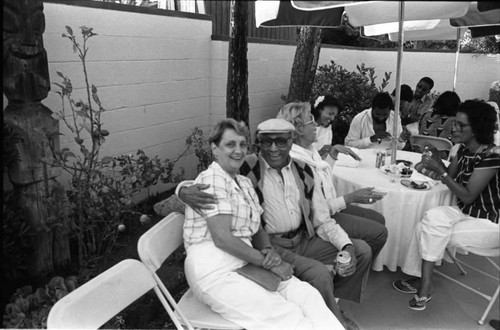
(222, 239)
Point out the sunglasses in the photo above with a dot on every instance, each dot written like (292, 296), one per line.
(280, 142)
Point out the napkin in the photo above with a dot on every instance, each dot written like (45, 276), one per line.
(347, 160)
(419, 177)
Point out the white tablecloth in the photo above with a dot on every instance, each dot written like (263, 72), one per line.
(402, 207)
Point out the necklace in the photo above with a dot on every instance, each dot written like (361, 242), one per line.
(481, 148)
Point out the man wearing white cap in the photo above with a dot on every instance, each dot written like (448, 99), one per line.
(299, 224)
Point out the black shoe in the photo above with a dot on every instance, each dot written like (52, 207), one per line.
(404, 287)
(495, 324)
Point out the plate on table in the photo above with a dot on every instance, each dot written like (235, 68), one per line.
(416, 185)
(400, 170)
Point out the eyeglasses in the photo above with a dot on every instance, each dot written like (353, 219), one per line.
(460, 125)
(280, 142)
(311, 121)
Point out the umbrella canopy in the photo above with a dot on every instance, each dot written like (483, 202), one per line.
(283, 13)
(363, 13)
(481, 22)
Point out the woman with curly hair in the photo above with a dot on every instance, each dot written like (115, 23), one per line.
(474, 177)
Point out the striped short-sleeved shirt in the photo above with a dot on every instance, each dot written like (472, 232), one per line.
(487, 204)
(236, 199)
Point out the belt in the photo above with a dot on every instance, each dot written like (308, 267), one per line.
(291, 233)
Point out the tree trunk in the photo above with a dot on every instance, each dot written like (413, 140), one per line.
(304, 64)
(237, 74)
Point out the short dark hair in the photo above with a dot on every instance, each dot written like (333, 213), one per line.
(429, 82)
(382, 100)
(228, 123)
(447, 104)
(327, 101)
(482, 119)
(406, 93)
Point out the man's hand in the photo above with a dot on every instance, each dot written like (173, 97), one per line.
(351, 268)
(379, 136)
(272, 259)
(195, 198)
(405, 134)
(283, 270)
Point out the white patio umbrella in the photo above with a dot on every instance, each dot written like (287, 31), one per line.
(443, 29)
(362, 13)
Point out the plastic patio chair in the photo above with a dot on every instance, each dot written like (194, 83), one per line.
(94, 303)
(154, 247)
(418, 142)
(483, 253)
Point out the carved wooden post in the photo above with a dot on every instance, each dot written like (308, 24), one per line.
(26, 82)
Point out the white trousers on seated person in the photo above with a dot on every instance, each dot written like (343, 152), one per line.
(447, 226)
(296, 305)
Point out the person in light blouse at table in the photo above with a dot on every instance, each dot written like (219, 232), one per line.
(372, 127)
(474, 177)
(326, 108)
(358, 222)
(226, 237)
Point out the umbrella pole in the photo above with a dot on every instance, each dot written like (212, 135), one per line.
(456, 60)
(395, 133)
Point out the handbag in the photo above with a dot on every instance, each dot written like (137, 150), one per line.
(261, 276)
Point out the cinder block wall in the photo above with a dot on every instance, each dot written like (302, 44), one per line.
(160, 76)
(152, 73)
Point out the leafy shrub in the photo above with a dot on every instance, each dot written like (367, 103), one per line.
(355, 89)
(101, 191)
(29, 310)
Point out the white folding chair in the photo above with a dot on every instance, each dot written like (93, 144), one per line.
(418, 142)
(97, 301)
(484, 253)
(154, 247)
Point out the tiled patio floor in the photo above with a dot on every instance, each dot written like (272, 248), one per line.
(451, 307)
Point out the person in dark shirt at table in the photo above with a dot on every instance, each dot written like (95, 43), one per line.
(422, 102)
(474, 177)
(439, 121)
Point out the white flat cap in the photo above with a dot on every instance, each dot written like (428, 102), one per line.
(275, 125)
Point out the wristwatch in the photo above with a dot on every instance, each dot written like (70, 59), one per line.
(442, 176)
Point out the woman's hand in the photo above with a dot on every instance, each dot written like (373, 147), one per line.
(363, 196)
(325, 150)
(272, 258)
(338, 148)
(433, 164)
(283, 270)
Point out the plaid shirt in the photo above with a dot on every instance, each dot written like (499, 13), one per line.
(240, 202)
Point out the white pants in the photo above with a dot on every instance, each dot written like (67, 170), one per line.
(447, 226)
(296, 304)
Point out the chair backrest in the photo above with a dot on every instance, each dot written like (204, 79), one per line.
(154, 247)
(97, 301)
(419, 141)
(158, 243)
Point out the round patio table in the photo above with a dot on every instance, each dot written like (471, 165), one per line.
(402, 207)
